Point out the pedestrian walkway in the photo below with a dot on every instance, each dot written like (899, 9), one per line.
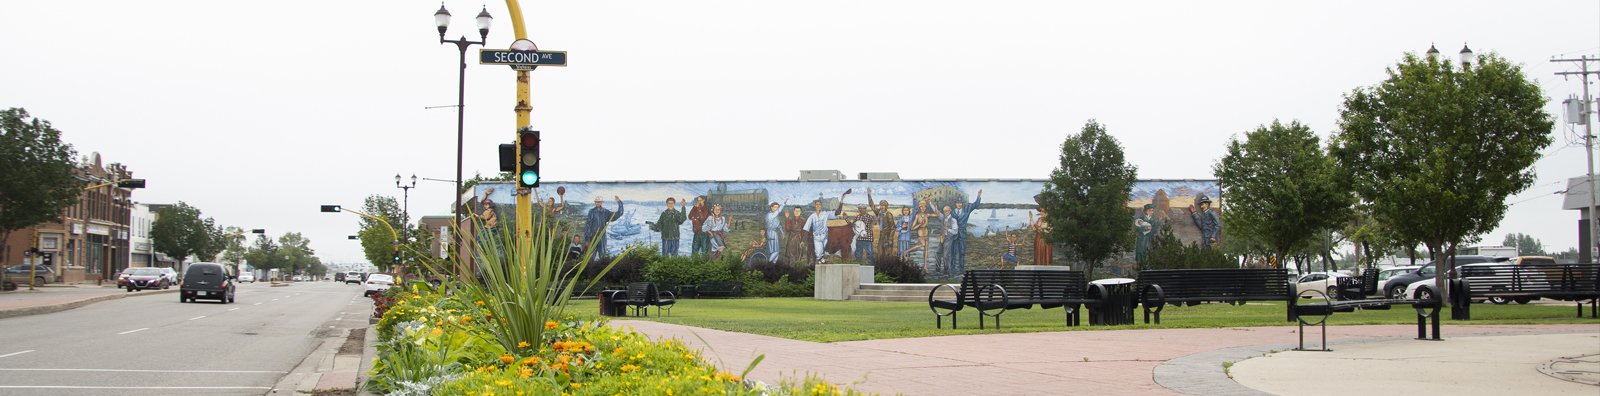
(1153, 361)
(55, 298)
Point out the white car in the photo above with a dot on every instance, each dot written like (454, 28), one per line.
(247, 277)
(1324, 282)
(298, 278)
(377, 283)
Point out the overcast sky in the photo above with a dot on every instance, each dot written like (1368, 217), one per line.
(258, 112)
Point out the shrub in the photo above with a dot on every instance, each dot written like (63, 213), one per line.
(692, 270)
(898, 268)
(1170, 252)
(772, 272)
(755, 286)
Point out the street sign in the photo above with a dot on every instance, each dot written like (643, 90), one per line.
(522, 58)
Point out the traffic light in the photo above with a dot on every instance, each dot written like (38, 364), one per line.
(528, 154)
(131, 183)
(508, 157)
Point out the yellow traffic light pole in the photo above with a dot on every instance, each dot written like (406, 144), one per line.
(524, 204)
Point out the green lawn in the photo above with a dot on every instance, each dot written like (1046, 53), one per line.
(831, 321)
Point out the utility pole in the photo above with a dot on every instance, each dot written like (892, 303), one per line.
(1588, 145)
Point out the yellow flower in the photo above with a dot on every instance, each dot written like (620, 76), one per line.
(479, 302)
(577, 385)
(525, 372)
(550, 325)
(466, 318)
(618, 351)
(502, 382)
(437, 331)
(629, 367)
(507, 359)
(523, 344)
(529, 361)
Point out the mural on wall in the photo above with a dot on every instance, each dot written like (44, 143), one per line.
(943, 226)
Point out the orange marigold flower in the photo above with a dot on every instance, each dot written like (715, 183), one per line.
(525, 373)
(629, 367)
(466, 318)
(531, 360)
(479, 302)
(522, 344)
(507, 359)
(550, 325)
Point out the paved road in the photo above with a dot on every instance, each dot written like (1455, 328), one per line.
(154, 345)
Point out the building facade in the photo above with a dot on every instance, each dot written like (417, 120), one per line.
(91, 240)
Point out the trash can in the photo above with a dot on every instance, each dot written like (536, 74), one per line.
(1117, 308)
(612, 304)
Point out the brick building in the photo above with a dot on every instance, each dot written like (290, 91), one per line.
(91, 239)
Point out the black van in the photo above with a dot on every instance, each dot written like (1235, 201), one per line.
(208, 281)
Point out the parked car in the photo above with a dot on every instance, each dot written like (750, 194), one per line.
(1385, 274)
(298, 278)
(1424, 289)
(377, 283)
(208, 281)
(1395, 287)
(140, 278)
(1325, 282)
(247, 277)
(353, 277)
(41, 273)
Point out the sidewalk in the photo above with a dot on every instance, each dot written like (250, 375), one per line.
(1157, 361)
(56, 298)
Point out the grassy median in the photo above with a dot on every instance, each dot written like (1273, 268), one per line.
(831, 321)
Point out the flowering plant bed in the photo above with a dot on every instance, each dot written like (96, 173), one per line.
(431, 343)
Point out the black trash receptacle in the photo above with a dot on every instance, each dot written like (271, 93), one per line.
(612, 304)
(1117, 308)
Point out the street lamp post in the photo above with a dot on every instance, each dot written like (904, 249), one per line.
(441, 19)
(405, 206)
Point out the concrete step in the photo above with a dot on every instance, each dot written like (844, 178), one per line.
(901, 292)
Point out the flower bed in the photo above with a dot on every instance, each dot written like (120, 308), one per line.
(431, 343)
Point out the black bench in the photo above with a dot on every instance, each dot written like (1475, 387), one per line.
(1427, 310)
(643, 295)
(1156, 288)
(1002, 290)
(1568, 282)
(1358, 287)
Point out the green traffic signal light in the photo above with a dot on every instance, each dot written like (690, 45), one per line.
(528, 161)
(529, 178)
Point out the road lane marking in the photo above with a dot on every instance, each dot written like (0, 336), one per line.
(257, 303)
(274, 299)
(197, 317)
(134, 331)
(147, 371)
(231, 310)
(15, 353)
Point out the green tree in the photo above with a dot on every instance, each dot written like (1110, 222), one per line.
(233, 249)
(179, 232)
(264, 254)
(295, 251)
(37, 174)
(1526, 244)
(1087, 197)
(378, 239)
(1283, 190)
(1437, 147)
(378, 247)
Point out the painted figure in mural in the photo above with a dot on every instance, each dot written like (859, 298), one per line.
(903, 230)
(717, 231)
(1011, 251)
(864, 224)
(697, 216)
(575, 249)
(486, 210)
(958, 243)
(774, 230)
(920, 218)
(594, 226)
(882, 230)
(797, 247)
(1042, 252)
(947, 240)
(1145, 226)
(668, 225)
(1205, 218)
(817, 224)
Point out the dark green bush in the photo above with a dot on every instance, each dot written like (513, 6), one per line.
(1170, 252)
(690, 270)
(898, 268)
(755, 286)
(771, 272)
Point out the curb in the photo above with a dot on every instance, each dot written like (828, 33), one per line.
(44, 309)
(327, 371)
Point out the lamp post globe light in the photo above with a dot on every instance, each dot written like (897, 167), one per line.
(405, 208)
(441, 19)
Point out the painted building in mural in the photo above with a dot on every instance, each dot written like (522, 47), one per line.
(944, 226)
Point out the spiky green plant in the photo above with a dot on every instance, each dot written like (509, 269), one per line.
(522, 282)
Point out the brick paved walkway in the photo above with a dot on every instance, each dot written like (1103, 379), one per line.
(1076, 362)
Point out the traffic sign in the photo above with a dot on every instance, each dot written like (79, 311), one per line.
(522, 58)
